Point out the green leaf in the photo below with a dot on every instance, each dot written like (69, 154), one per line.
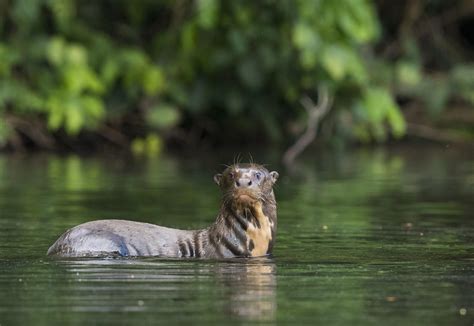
(56, 50)
(308, 41)
(207, 13)
(63, 10)
(74, 118)
(397, 121)
(163, 116)
(408, 73)
(188, 38)
(358, 20)
(93, 107)
(8, 57)
(153, 81)
(109, 71)
(55, 114)
(136, 64)
(305, 37)
(151, 145)
(375, 103)
(341, 62)
(78, 79)
(138, 146)
(76, 54)
(334, 61)
(380, 107)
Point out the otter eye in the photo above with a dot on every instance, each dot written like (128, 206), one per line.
(258, 175)
(231, 175)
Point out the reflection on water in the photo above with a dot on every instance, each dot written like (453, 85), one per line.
(251, 289)
(367, 237)
(246, 289)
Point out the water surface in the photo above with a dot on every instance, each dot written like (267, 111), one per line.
(365, 237)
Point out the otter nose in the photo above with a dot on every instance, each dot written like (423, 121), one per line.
(243, 183)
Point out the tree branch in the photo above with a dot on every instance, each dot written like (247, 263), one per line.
(32, 129)
(316, 112)
(114, 136)
(432, 134)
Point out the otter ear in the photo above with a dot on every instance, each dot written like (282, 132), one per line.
(218, 178)
(274, 175)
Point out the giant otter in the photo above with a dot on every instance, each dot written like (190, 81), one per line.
(245, 226)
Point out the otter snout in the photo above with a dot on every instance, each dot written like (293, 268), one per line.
(243, 183)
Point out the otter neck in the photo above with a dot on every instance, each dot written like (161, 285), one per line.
(245, 231)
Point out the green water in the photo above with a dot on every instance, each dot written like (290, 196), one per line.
(366, 237)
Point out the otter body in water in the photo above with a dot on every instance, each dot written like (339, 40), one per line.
(245, 226)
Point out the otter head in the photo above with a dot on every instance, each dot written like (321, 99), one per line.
(244, 185)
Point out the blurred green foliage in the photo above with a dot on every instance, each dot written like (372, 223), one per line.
(232, 70)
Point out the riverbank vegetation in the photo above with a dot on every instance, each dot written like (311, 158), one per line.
(138, 75)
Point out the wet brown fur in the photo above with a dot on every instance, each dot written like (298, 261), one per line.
(245, 226)
(257, 215)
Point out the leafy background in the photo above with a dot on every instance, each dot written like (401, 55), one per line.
(142, 74)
